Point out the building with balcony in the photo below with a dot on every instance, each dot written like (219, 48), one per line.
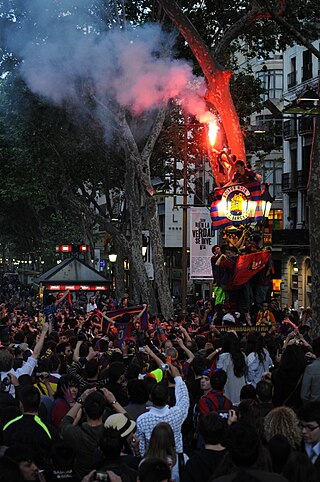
(300, 72)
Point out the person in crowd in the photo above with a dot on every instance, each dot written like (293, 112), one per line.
(258, 358)
(264, 395)
(91, 305)
(216, 251)
(111, 444)
(245, 457)
(85, 369)
(138, 398)
(290, 223)
(233, 361)
(24, 457)
(265, 316)
(248, 411)
(299, 468)
(64, 398)
(154, 470)
(213, 399)
(52, 304)
(283, 421)
(280, 450)
(204, 462)
(309, 416)
(28, 429)
(248, 392)
(310, 388)
(130, 441)
(225, 266)
(162, 445)
(160, 412)
(85, 437)
(287, 377)
(62, 468)
(7, 360)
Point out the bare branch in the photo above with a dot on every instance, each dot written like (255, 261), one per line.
(301, 39)
(154, 134)
(207, 63)
(236, 29)
(99, 215)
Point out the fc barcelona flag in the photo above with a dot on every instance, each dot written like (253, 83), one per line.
(116, 315)
(236, 204)
(248, 265)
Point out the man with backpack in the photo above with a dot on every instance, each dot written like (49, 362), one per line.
(214, 400)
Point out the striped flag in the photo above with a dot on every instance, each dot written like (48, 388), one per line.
(236, 204)
(116, 315)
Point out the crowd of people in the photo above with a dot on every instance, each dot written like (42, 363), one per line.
(183, 399)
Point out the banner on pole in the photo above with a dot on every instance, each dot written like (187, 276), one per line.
(201, 242)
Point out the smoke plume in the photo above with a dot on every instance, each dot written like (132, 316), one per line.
(65, 51)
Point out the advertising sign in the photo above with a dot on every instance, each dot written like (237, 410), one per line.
(201, 242)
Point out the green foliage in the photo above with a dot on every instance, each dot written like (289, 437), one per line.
(45, 157)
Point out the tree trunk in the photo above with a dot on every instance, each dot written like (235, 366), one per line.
(119, 273)
(217, 78)
(314, 223)
(160, 275)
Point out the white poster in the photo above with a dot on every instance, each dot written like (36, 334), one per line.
(148, 264)
(201, 242)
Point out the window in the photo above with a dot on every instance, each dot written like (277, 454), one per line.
(275, 218)
(306, 65)
(271, 80)
(292, 76)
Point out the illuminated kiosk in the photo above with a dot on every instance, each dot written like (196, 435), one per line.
(74, 275)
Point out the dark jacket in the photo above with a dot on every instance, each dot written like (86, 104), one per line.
(202, 465)
(85, 440)
(31, 431)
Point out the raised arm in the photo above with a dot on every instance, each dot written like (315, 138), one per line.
(188, 352)
(158, 360)
(186, 336)
(112, 401)
(142, 311)
(110, 320)
(76, 353)
(39, 345)
(60, 300)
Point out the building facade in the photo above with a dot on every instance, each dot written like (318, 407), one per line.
(300, 74)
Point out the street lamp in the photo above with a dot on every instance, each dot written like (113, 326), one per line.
(267, 201)
(112, 255)
(144, 245)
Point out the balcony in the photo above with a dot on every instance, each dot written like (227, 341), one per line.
(302, 179)
(290, 129)
(289, 182)
(305, 125)
(292, 79)
(290, 237)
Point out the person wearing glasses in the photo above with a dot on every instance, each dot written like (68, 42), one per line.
(309, 416)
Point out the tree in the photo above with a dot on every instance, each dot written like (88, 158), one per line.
(130, 134)
(298, 23)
